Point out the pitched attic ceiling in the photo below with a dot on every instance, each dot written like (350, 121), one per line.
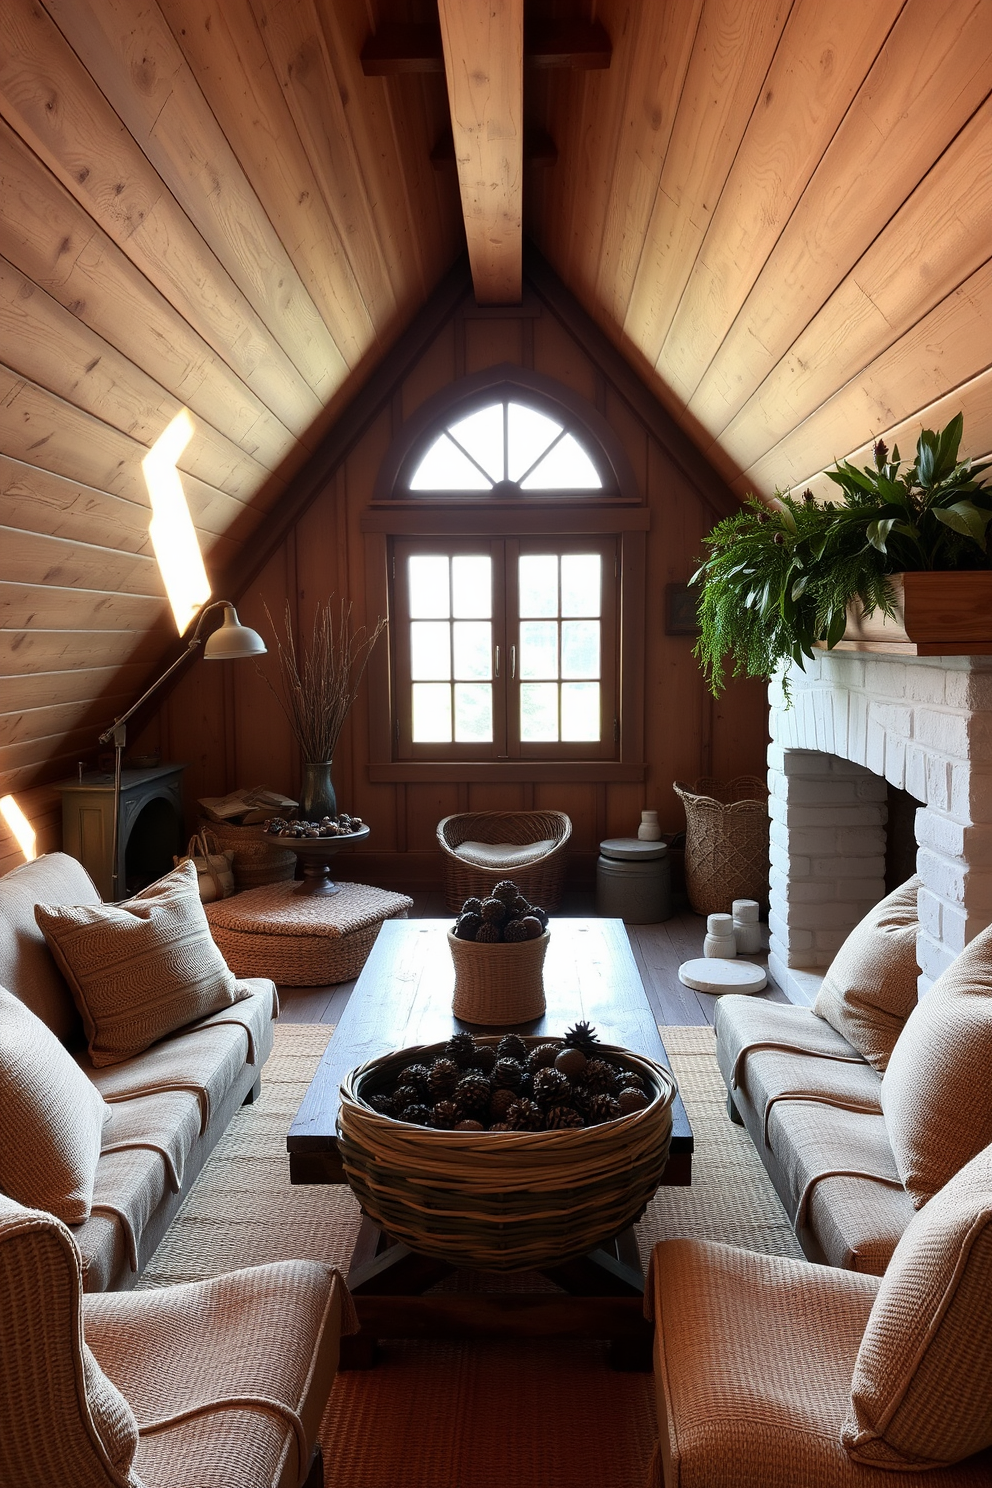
(780, 212)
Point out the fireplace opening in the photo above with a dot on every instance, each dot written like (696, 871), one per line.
(154, 838)
(900, 837)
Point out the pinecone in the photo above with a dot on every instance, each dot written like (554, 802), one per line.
(493, 911)
(460, 1049)
(631, 1078)
(470, 1124)
(521, 906)
(506, 892)
(551, 1088)
(599, 1078)
(382, 1103)
(511, 1046)
(631, 1099)
(444, 1115)
(515, 931)
(417, 1075)
(499, 1126)
(562, 1118)
(467, 926)
(600, 1108)
(500, 1102)
(403, 1096)
(542, 1057)
(484, 1058)
(582, 1036)
(445, 1075)
(488, 933)
(507, 1074)
(416, 1114)
(525, 1115)
(472, 906)
(571, 1062)
(540, 914)
(472, 1095)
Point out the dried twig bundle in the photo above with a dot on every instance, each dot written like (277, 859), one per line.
(320, 681)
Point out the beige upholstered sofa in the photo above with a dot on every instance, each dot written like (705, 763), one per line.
(861, 1119)
(167, 1106)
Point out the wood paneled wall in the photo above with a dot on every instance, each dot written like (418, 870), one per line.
(781, 211)
(224, 720)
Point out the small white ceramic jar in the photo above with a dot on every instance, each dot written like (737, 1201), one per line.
(719, 940)
(649, 830)
(746, 929)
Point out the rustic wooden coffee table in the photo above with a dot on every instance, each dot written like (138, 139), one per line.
(402, 998)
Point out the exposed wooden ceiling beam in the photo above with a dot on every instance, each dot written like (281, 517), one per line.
(576, 45)
(483, 43)
(539, 148)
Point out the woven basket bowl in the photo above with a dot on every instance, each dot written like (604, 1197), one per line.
(256, 861)
(502, 1201)
(726, 841)
(498, 985)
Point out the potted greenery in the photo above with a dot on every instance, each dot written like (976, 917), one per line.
(784, 577)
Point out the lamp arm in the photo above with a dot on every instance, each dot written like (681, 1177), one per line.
(195, 640)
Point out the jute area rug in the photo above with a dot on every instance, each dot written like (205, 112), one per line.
(540, 1414)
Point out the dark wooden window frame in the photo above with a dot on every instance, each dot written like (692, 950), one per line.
(616, 511)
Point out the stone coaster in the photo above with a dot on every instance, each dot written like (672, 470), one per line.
(712, 974)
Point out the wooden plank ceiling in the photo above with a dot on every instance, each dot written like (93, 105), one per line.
(780, 210)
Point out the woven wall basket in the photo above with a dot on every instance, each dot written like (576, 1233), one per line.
(256, 862)
(726, 842)
(498, 985)
(502, 1201)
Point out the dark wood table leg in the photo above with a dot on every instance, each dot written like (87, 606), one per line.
(612, 1270)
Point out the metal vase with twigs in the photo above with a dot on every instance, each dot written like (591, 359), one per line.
(320, 681)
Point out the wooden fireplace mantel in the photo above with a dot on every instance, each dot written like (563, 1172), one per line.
(937, 614)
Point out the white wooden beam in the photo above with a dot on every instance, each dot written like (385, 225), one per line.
(483, 44)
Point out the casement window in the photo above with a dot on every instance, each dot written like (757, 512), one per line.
(512, 535)
(505, 648)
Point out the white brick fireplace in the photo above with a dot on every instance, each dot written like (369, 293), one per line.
(924, 724)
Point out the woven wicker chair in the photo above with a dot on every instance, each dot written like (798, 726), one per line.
(207, 1383)
(525, 846)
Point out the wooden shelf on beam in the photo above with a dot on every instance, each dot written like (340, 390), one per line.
(568, 45)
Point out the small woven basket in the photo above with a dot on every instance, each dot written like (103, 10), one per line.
(498, 985)
(503, 1201)
(256, 861)
(726, 841)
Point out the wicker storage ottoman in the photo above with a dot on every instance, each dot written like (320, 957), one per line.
(302, 940)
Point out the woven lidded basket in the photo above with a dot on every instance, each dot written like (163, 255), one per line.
(503, 1201)
(498, 985)
(726, 841)
(256, 861)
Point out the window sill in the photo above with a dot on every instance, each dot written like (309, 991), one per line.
(563, 772)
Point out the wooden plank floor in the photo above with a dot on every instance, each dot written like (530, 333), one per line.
(658, 950)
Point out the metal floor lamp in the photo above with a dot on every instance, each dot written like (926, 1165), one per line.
(231, 641)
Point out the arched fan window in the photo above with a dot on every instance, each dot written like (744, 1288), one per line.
(503, 445)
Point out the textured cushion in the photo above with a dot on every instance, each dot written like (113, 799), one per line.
(26, 965)
(920, 1394)
(870, 987)
(937, 1089)
(51, 1118)
(141, 969)
(503, 854)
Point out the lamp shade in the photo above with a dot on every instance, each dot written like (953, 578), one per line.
(231, 640)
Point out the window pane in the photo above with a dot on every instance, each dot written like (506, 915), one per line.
(472, 587)
(581, 584)
(528, 435)
(430, 650)
(446, 468)
(579, 648)
(474, 650)
(580, 710)
(481, 434)
(538, 648)
(539, 712)
(473, 713)
(431, 713)
(567, 467)
(538, 584)
(429, 588)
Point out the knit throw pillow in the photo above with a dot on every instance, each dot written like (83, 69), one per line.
(920, 1393)
(51, 1118)
(870, 987)
(141, 969)
(937, 1090)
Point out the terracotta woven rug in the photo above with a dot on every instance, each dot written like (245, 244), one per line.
(473, 1415)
